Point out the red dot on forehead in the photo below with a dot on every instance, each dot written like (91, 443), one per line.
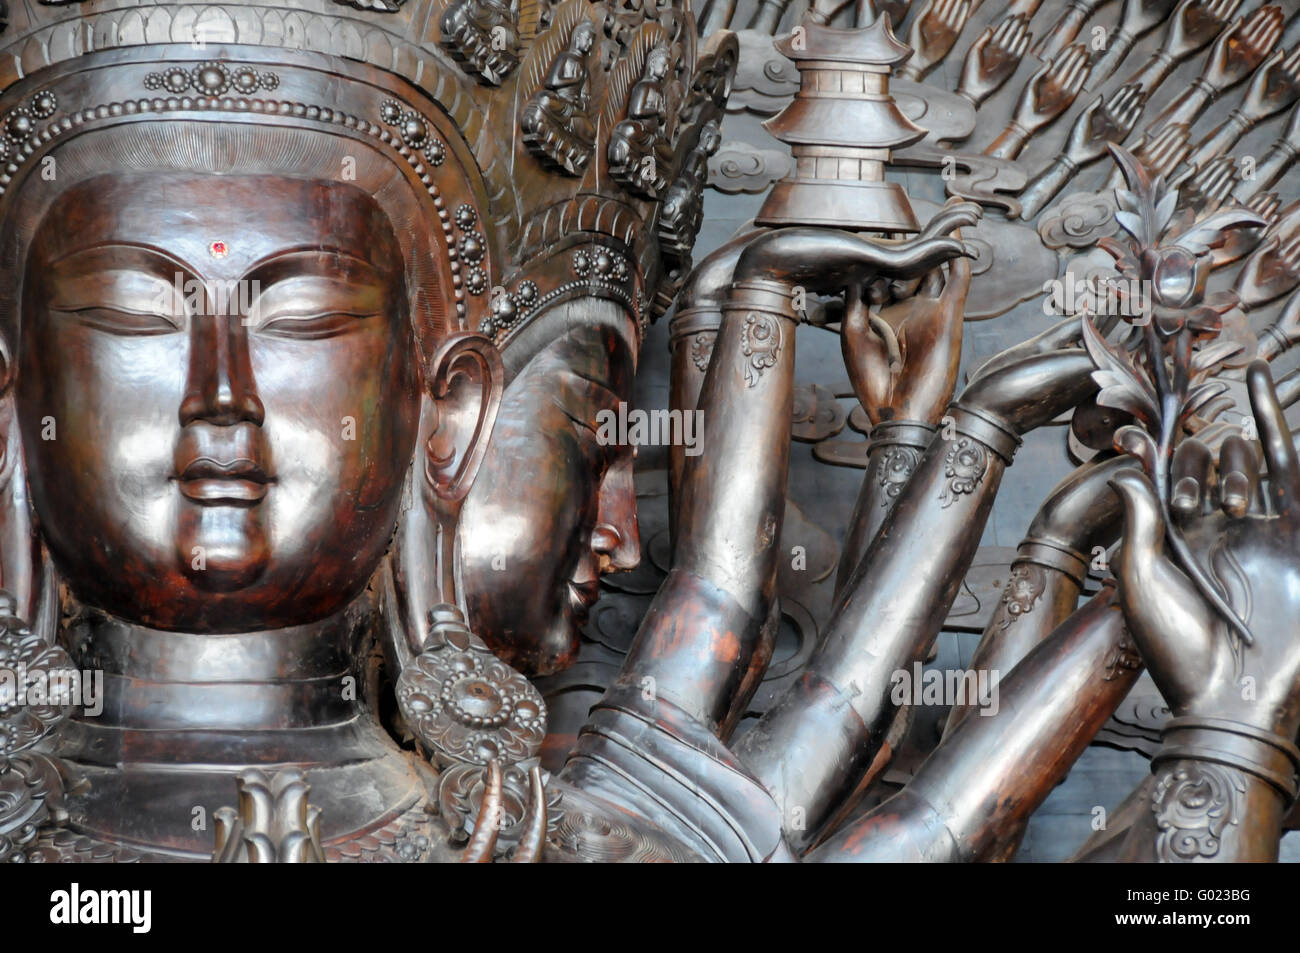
(218, 249)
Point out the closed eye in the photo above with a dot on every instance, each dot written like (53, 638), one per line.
(312, 326)
(122, 321)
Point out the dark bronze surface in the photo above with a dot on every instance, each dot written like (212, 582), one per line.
(324, 436)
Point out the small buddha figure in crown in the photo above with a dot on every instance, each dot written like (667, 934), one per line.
(639, 147)
(555, 124)
(483, 35)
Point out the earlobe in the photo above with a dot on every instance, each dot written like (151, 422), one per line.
(466, 379)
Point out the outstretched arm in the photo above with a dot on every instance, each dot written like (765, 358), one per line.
(971, 798)
(705, 630)
(814, 745)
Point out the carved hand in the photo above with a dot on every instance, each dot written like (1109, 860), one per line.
(1272, 271)
(905, 358)
(1099, 124)
(1284, 333)
(1140, 17)
(1195, 23)
(993, 58)
(1162, 154)
(1050, 91)
(1211, 185)
(1267, 205)
(1292, 135)
(1248, 531)
(1274, 87)
(933, 33)
(1046, 95)
(1242, 47)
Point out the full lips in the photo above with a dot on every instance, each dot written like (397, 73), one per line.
(209, 481)
(221, 465)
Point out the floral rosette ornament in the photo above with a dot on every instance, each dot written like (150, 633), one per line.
(33, 678)
(464, 704)
(35, 684)
(1164, 378)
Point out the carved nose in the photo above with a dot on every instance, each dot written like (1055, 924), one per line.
(621, 545)
(220, 388)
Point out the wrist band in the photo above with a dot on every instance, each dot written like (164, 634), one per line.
(1284, 343)
(1052, 555)
(1017, 130)
(995, 433)
(761, 294)
(902, 433)
(693, 321)
(1268, 756)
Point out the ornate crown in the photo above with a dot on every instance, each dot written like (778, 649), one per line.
(558, 144)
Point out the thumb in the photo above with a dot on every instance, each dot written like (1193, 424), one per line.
(1168, 618)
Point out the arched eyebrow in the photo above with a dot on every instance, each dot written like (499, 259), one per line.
(149, 258)
(73, 284)
(289, 263)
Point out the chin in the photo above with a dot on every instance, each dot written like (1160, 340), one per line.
(558, 650)
(536, 647)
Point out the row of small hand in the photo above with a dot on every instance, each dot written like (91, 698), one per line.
(1244, 48)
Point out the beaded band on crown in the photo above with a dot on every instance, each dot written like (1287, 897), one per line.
(224, 88)
(532, 228)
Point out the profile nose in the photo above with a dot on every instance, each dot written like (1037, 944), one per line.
(622, 546)
(220, 388)
(617, 536)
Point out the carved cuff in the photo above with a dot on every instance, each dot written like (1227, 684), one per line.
(1284, 146)
(902, 433)
(1053, 555)
(995, 433)
(1280, 343)
(693, 321)
(1164, 61)
(1268, 756)
(759, 294)
(1239, 123)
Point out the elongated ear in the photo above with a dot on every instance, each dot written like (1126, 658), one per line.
(20, 549)
(466, 380)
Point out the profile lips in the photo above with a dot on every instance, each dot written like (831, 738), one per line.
(205, 480)
(584, 595)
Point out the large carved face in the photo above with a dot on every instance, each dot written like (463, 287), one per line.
(552, 508)
(193, 466)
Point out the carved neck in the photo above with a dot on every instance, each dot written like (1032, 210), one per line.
(183, 714)
(301, 677)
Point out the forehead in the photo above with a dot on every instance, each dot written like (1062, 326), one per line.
(230, 221)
